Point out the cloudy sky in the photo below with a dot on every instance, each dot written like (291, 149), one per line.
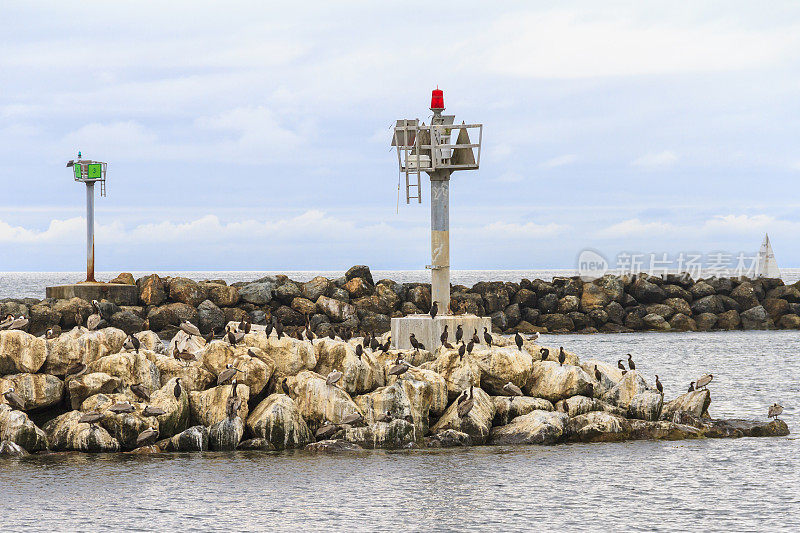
(246, 137)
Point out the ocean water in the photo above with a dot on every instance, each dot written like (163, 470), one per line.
(746, 484)
(32, 284)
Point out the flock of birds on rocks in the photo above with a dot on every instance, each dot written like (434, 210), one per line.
(234, 335)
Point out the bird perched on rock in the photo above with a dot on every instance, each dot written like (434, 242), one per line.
(562, 356)
(470, 346)
(189, 328)
(475, 338)
(19, 323)
(149, 410)
(545, 353)
(631, 366)
(353, 419)
(50, 334)
(659, 386)
(775, 411)
(534, 337)
(91, 418)
(518, 341)
(7, 321)
(333, 377)
(359, 351)
(414, 342)
(75, 370)
(244, 326)
(387, 344)
(374, 344)
(14, 399)
(122, 407)
(466, 406)
(140, 392)
(447, 345)
(443, 336)
(399, 368)
(177, 390)
(285, 388)
(461, 351)
(512, 390)
(233, 402)
(183, 355)
(597, 375)
(268, 329)
(227, 374)
(487, 336)
(384, 417)
(326, 431)
(621, 367)
(434, 309)
(210, 337)
(691, 387)
(703, 382)
(94, 319)
(459, 333)
(278, 329)
(147, 437)
(132, 343)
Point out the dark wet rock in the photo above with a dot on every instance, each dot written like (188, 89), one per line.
(791, 321)
(287, 292)
(420, 296)
(127, 322)
(706, 321)
(745, 295)
(448, 438)
(11, 449)
(790, 293)
(776, 308)
(677, 292)
(304, 306)
(357, 288)
(556, 322)
(256, 444)
(186, 291)
(210, 317)
(359, 271)
(681, 322)
(334, 446)
(721, 285)
(548, 303)
(677, 305)
(525, 298)
(656, 322)
(756, 318)
(708, 304)
(646, 292)
(580, 321)
(257, 293)
(729, 320)
(593, 297)
(701, 289)
(222, 295)
(696, 403)
(615, 313)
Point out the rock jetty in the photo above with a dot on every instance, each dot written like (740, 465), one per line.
(102, 391)
(355, 302)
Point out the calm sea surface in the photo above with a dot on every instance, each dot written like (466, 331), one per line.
(718, 485)
(32, 284)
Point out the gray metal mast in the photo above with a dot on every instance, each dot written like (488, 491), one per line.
(89, 172)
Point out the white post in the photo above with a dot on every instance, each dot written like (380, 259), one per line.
(90, 231)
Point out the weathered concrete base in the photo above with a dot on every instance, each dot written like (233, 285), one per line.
(113, 292)
(428, 331)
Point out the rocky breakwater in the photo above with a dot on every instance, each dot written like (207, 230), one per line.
(358, 304)
(98, 391)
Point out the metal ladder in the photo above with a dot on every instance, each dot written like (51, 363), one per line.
(410, 184)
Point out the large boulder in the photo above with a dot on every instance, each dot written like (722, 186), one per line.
(745, 295)
(16, 427)
(193, 439)
(708, 304)
(278, 420)
(226, 434)
(621, 395)
(360, 374)
(578, 405)
(289, 355)
(609, 375)
(11, 449)
(646, 292)
(598, 426)
(319, 402)
(186, 291)
(220, 294)
(21, 352)
(151, 290)
(459, 374)
(501, 365)
(124, 427)
(336, 310)
(319, 286)
(129, 367)
(536, 427)
(80, 345)
(89, 384)
(394, 434)
(477, 423)
(257, 293)
(646, 405)
(66, 433)
(756, 318)
(553, 382)
(507, 408)
(593, 297)
(210, 317)
(36, 390)
(402, 399)
(149, 340)
(695, 403)
(193, 376)
(255, 368)
(210, 406)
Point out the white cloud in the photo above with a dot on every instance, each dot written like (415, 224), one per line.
(656, 160)
(634, 227)
(559, 161)
(717, 226)
(513, 230)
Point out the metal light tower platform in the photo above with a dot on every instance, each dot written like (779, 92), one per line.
(428, 149)
(91, 172)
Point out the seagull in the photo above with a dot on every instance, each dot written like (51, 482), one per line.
(147, 437)
(630, 363)
(434, 309)
(14, 399)
(775, 411)
(703, 381)
(518, 340)
(132, 343)
(333, 377)
(190, 329)
(227, 374)
(659, 386)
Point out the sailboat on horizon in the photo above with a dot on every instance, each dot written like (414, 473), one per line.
(767, 266)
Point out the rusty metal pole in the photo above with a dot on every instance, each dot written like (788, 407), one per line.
(90, 231)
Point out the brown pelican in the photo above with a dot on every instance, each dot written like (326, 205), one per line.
(91, 418)
(691, 387)
(561, 356)
(597, 375)
(333, 377)
(487, 336)
(132, 343)
(621, 367)
(630, 363)
(518, 340)
(465, 407)
(120, 408)
(461, 351)
(190, 329)
(140, 392)
(94, 319)
(177, 390)
(512, 390)
(185, 356)
(75, 370)
(7, 321)
(545, 353)
(233, 403)
(285, 388)
(353, 419)
(152, 411)
(227, 374)
(703, 381)
(326, 431)
(384, 417)
(19, 323)
(147, 437)
(434, 309)
(399, 369)
(414, 342)
(659, 387)
(775, 411)
(459, 334)
(14, 399)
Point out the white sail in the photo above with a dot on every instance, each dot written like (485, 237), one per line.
(767, 265)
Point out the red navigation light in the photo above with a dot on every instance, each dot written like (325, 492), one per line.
(437, 99)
